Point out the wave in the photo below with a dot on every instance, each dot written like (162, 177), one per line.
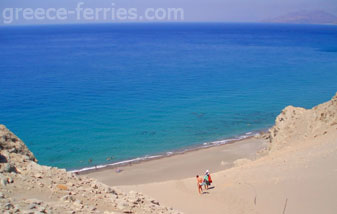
(121, 163)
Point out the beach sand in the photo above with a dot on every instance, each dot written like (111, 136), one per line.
(181, 166)
(296, 180)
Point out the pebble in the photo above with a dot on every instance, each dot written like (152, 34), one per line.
(38, 175)
(155, 202)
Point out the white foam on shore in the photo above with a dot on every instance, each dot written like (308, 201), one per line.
(221, 142)
(147, 157)
(169, 153)
(117, 163)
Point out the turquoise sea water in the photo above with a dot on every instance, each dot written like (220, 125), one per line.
(81, 92)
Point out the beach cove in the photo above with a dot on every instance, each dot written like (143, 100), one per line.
(184, 165)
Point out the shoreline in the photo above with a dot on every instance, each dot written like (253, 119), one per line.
(146, 158)
(182, 165)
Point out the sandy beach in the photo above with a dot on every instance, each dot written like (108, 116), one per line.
(181, 166)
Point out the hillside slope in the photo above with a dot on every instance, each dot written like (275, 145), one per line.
(27, 187)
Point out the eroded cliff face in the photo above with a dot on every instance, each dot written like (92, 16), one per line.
(27, 187)
(294, 125)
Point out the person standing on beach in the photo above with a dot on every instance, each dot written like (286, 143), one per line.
(206, 182)
(199, 184)
(209, 180)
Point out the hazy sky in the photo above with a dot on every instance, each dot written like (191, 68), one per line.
(194, 10)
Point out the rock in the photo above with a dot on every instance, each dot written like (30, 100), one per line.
(25, 158)
(9, 141)
(42, 209)
(94, 186)
(110, 190)
(7, 167)
(38, 175)
(121, 204)
(32, 206)
(34, 201)
(5, 154)
(2, 195)
(8, 206)
(10, 180)
(67, 198)
(17, 209)
(155, 202)
(12, 150)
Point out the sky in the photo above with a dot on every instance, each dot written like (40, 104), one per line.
(193, 10)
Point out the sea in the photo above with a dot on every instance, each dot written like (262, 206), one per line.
(91, 95)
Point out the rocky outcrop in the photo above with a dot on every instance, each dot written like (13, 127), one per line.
(295, 125)
(27, 187)
(11, 143)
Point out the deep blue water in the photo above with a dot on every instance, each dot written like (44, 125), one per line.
(81, 92)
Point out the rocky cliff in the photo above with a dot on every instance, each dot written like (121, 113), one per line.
(294, 125)
(27, 187)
